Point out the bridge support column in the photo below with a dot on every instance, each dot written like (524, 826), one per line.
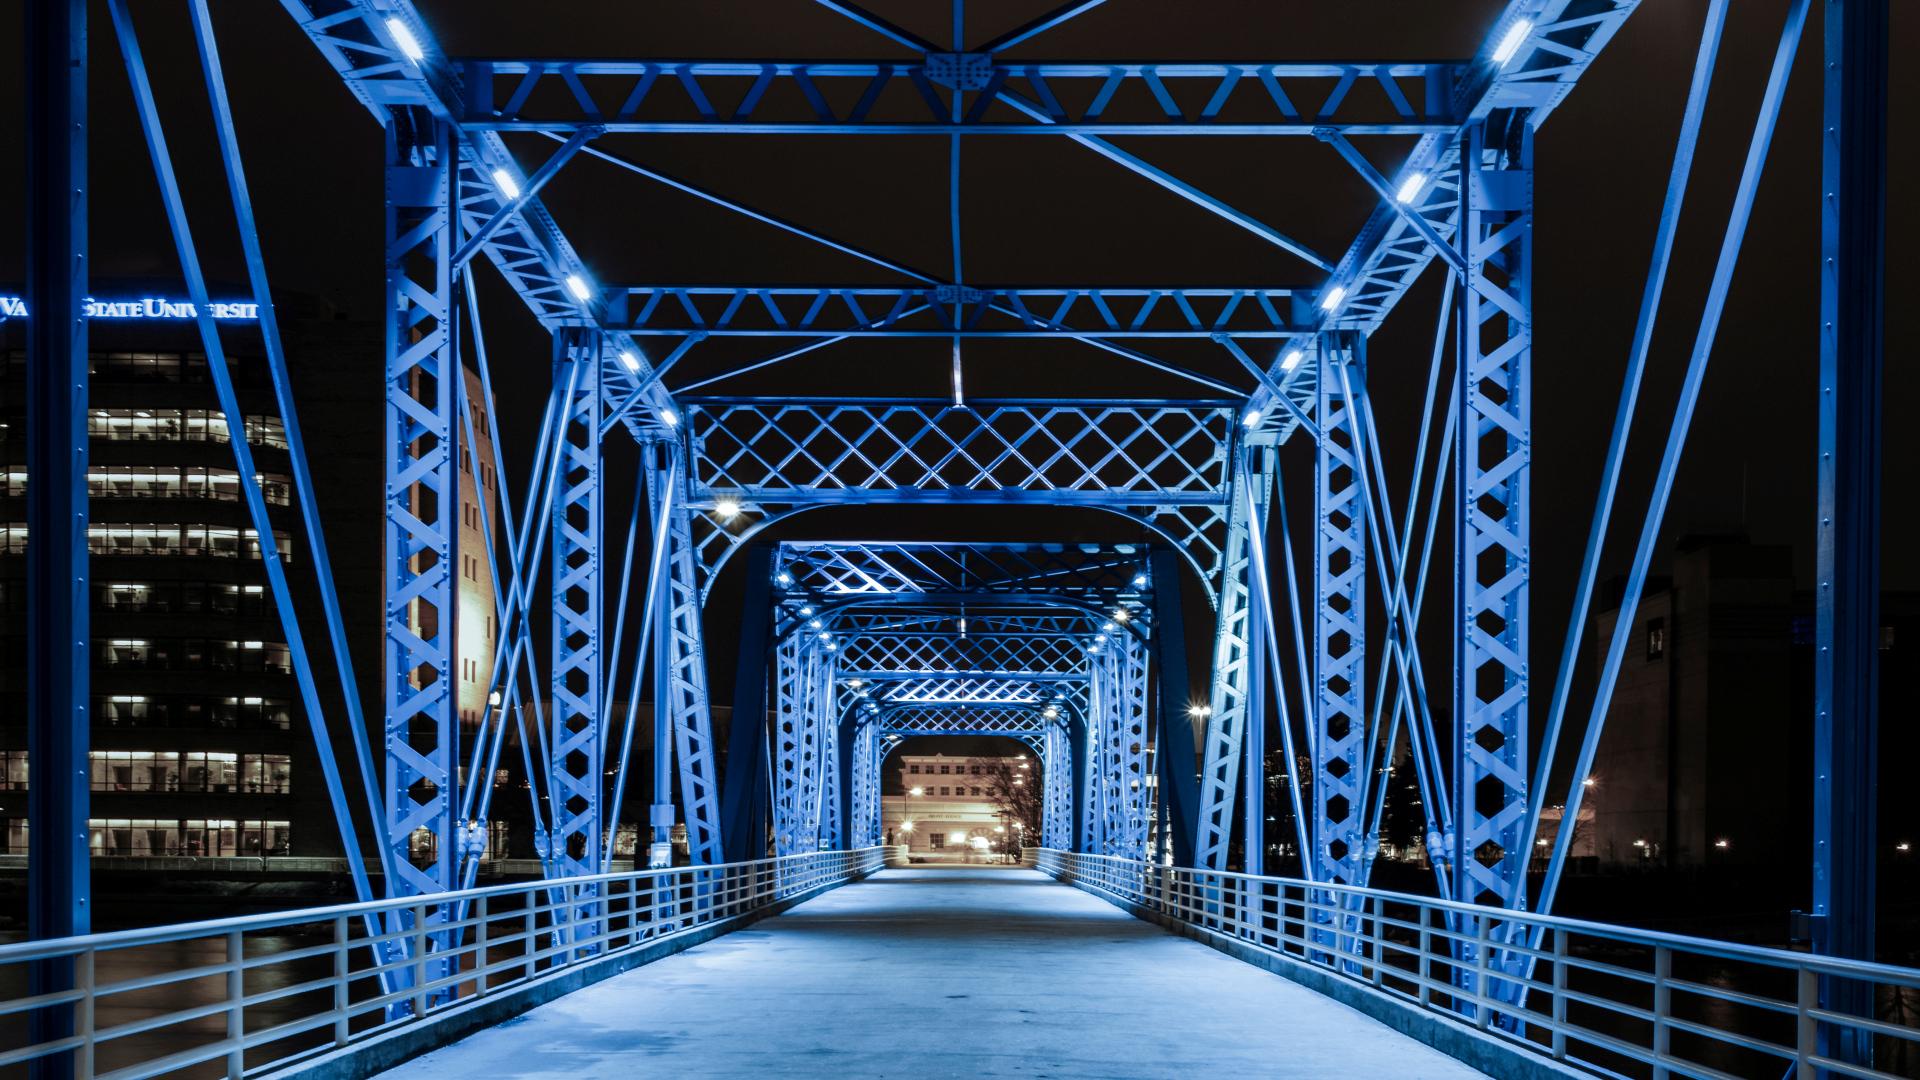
(575, 765)
(1340, 575)
(1847, 572)
(1234, 705)
(1493, 559)
(680, 660)
(422, 496)
(58, 594)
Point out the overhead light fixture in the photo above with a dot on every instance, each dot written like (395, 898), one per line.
(578, 287)
(805, 610)
(1108, 628)
(1139, 581)
(815, 624)
(727, 507)
(403, 37)
(1121, 615)
(1327, 302)
(1510, 43)
(826, 635)
(1410, 187)
(669, 417)
(1197, 711)
(506, 183)
(1253, 418)
(1292, 360)
(783, 578)
(626, 357)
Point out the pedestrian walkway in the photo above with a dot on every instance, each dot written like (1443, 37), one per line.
(943, 972)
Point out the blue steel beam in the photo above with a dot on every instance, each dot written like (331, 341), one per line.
(59, 882)
(422, 494)
(1492, 545)
(790, 97)
(528, 248)
(1853, 217)
(1557, 43)
(938, 311)
(1338, 714)
(575, 747)
(1233, 706)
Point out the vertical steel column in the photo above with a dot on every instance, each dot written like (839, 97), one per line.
(790, 659)
(1079, 816)
(1491, 547)
(743, 830)
(681, 658)
(58, 594)
(1130, 746)
(1340, 593)
(1173, 740)
(422, 497)
(574, 764)
(1234, 661)
(1847, 601)
(1253, 757)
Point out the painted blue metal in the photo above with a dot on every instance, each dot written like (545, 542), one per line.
(59, 650)
(681, 663)
(1339, 632)
(1714, 307)
(1846, 706)
(1664, 236)
(1233, 705)
(249, 478)
(790, 97)
(422, 492)
(1492, 545)
(575, 748)
(310, 516)
(968, 311)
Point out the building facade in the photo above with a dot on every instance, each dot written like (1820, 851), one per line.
(945, 806)
(199, 744)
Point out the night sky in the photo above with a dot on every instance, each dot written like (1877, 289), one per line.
(1043, 211)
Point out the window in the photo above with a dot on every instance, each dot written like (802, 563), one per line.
(1656, 638)
(13, 770)
(133, 770)
(945, 769)
(974, 769)
(266, 774)
(914, 769)
(946, 791)
(937, 840)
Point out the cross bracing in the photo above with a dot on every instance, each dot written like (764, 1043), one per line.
(1077, 648)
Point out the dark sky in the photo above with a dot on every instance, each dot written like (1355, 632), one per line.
(1043, 211)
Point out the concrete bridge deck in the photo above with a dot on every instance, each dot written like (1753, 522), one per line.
(942, 972)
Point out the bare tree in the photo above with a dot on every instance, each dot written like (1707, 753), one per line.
(1017, 796)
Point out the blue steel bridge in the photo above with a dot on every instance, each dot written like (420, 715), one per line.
(1135, 939)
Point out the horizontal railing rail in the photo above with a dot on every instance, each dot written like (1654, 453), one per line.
(1607, 999)
(242, 996)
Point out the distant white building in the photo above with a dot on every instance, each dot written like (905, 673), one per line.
(946, 809)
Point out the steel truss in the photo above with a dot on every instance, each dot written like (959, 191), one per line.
(868, 643)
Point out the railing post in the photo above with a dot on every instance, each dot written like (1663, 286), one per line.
(480, 948)
(236, 1007)
(1560, 994)
(1483, 1009)
(528, 940)
(341, 968)
(1806, 1028)
(83, 1018)
(419, 961)
(1424, 964)
(1662, 1006)
(1371, 911)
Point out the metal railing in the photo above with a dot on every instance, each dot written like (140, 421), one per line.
(241, 996)
(1607, 999)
